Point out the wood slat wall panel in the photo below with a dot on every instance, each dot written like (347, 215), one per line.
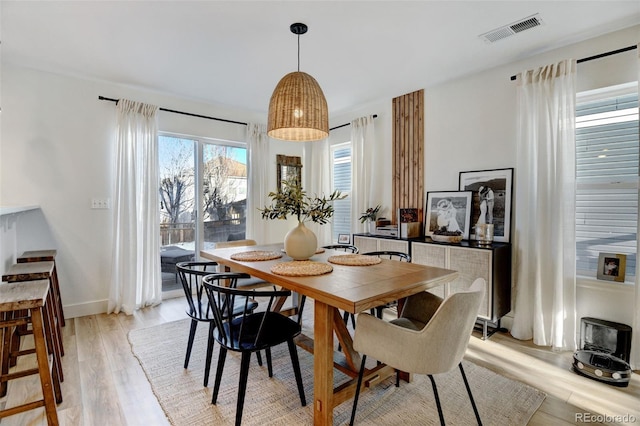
(408, 152)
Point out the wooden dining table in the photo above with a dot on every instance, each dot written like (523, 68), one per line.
(351, 288)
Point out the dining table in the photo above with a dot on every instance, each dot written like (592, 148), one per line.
(349, 287)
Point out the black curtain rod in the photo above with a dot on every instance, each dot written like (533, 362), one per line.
(102, 98)
(348, 124)
(601, 55)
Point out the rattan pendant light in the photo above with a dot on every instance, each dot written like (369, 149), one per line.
(298, 109)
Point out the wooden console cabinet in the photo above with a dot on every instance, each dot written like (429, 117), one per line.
(493, 263)
(369, 242)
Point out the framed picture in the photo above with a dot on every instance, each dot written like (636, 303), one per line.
(612, 266)
(450, 210)
(491, 202)
(343, 239)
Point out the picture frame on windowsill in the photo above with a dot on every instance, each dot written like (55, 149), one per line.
(612, 267)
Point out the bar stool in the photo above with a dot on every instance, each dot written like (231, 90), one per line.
(47, 256)
(32, 297)
(32, 271)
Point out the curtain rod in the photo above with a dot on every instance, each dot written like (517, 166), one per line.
(601, 55)
(102, 98)
(348, 124)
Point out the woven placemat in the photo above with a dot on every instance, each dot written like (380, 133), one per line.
(256, 255)
(301, 268)
(354, 260)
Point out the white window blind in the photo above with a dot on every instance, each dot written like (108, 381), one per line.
(341, 171)
(607, 155)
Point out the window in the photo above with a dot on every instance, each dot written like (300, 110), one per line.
(607, 156)
(341, 181)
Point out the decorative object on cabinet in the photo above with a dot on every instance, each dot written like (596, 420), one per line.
(471, 260)
(409, 224)
(450, 210)
(612, 266)
(369, 217)
(492, 191)
(344, 239)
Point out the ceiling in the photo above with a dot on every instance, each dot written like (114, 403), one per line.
(233, 53)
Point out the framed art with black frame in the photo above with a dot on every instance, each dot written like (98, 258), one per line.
(492, 191)
(612, 266)
(450, 210)
(344, 239)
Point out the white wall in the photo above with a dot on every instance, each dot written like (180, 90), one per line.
(57, 148)
(470, 124)
(57, 152)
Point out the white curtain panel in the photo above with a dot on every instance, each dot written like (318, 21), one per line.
(545, 306)
(258, 146)
(136, 280)
(365, 181)
(635, 338)
(319, 184)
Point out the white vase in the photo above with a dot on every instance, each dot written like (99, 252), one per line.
(372, 227)
(300, 243)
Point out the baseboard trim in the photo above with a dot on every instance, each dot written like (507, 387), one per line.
(83, 309)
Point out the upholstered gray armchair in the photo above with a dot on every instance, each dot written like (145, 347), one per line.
(430, 337)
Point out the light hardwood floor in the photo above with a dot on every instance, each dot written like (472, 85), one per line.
(105, 385)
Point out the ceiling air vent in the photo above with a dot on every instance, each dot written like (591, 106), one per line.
(512, 29)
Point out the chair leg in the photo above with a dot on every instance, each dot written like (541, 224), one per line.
(473, 403)
(242, 386)
(296, 370)
(267, 352)
(303, 299)
(435, 393)
(192, 333)
(355, 398)
(216, 386)
(259, 358)
(207, 363)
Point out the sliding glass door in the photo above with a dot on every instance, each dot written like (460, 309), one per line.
(203, 195)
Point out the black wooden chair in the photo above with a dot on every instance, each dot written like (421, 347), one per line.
(393, 255)
(249, 332)
(191, 275)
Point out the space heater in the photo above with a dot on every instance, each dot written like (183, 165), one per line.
(605, 347)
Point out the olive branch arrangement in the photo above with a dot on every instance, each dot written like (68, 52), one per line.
(293, 200)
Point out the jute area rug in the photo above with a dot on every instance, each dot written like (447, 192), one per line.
(275, 401)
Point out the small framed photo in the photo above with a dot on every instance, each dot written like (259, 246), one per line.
(612, 266)
(491, 201)
(450, 210)
(343, 239)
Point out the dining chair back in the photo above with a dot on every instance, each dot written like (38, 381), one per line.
(430, 337)
(249, 332)
(389, 254)
(342, 247)
(191, 276)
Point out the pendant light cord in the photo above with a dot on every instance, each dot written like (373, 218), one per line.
(298, 52)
